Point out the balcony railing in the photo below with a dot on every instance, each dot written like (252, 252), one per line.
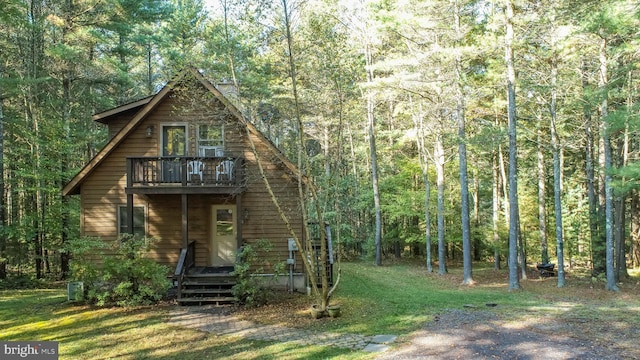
(185, 171)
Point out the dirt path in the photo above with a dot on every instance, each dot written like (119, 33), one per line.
(478, 334)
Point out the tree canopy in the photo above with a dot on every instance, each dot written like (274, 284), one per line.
(519, 113)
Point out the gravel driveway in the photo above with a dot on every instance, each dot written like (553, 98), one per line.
(479, 334)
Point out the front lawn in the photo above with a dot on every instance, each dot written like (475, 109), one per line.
(142, 333)
(392, 299)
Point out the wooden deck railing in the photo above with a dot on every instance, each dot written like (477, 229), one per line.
(185, 171)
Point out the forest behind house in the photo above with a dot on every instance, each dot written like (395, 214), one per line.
(454, 131)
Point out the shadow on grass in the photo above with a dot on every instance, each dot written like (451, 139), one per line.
(236, 348)
(143, 333)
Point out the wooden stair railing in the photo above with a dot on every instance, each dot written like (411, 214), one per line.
(187, 260)
(200, 285)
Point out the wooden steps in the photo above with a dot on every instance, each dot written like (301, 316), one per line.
(202, 286)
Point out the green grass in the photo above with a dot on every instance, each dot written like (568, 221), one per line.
(142, 333)
(391, 299)
(400, 298)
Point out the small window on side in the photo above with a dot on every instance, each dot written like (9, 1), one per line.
(139, 220)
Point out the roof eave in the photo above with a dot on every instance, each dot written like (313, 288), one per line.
(105, 115)
(73, 186)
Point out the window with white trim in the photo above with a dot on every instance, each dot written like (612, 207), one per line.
(210, 140)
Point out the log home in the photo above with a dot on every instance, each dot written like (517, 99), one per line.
(181, 166)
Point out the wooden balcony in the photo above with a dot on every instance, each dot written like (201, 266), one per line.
(185, 175)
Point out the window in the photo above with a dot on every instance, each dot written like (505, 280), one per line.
(210, 140)
(139, 220)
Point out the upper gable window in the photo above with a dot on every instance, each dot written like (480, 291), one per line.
(210, 140)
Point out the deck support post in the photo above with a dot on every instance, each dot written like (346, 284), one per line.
(130, 214)
(240, 219)
(129, 198)
(185, 228)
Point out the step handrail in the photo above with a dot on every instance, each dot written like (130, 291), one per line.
(187, 260)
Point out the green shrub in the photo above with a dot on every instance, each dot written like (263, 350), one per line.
(84, 252)
(126, 278)
(252, 290)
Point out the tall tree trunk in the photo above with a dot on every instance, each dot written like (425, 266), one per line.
(354, 168)
(423, 159)
(462, 152)
(442, 249)
(621, 199)
(39, 200)
(326, 147)
(38, 197)
(542, 213)
(324, 294)
(374, 156)
(3, 198)
(634, 225)
(32, 113)
(501, 191)
(634, 251)
(522, 253)
(149, 78)
(303, 164)
(504, 181)
(514, 281)
(601, 247)
(477, 241)
(619, 237)
(66, 157)
(227, 36)
(427, 219)
(608, 189)
(594, 232)
(557, 171)
(496, 210)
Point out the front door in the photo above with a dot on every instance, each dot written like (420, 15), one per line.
(174, 145)
(223, 235)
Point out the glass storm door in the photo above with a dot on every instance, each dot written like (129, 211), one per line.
(174, 144)
(223, 235)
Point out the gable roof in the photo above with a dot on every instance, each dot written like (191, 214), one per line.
(105, 116)
(146, 106)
